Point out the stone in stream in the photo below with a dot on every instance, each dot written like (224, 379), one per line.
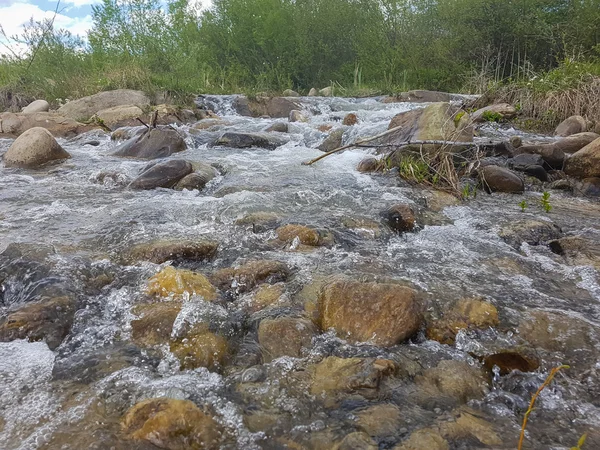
(49, 320)
(261, 221)
(284, 336)
(34, 148)
(498, 179)
(172, 424)
(419, 96)
(245, 277)
(571, 125)
(350, 119)
(201, 349)
(84, 108)
(531, 165)
(164, 174)
(305, 235)
(179, 282)
(552, 154)
(575, 142)
(151, 144)
(357, 441)
(203, 173)
(425, 438)
(36, 106)
(508, 360)
(369, 164)
(588, 187)
(333, 141)
(247, 140)
(380, 421)
(586, 162)
(154, 323)
(161, 251)
(279, 127)
(533, 232)
(297, 116)
(313, 92)
(400, 218)
(500, 110)
(378, 313)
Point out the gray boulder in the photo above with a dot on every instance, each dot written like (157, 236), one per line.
(37, 106)
(247, 140)
(164, 174)
(333, 141)
(151, 144)
(84, 108)
(33, 148)
(197, 180)
(571, 125)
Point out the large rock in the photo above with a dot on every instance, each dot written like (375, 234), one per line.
(119, 116)
(49, 320)
(165, 174)
(383, 314)
(284, 336)
(197, 180)
(33, 148)
(552, 154)
(333, 141)
(151, 144)
(36, 106)
(533, 232)
(531, 164)
(247, 140)
(172, 425)
(499, 179)
(575, 142)
(160, 251)
(586, 162)
(434, 122)
(275, 107)
(12, 125)
(400, 218)
(455, 380)
(571, 125)
(500, 111)
(84, 108)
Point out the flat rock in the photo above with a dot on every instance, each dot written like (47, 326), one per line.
(247, 140)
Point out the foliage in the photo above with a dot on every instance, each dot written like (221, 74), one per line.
(545, 202)
(523, 205)
(491, 116)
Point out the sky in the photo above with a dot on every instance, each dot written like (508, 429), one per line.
(74, 15)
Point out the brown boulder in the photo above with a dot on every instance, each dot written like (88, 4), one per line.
(400, 218)
(202, 349)
(84, 108)
(154, 323)
(383, 314)
(34, 148)
(586, 162)
(306, 235)
(499, 179)
(284, 336)
(380, 420)
(275, 107)
(350, 119)
(575, 142)
(455, 380)
(180, 282)
(245, 277)
(571, 125)
(171, 424)
(425, 438)
(119, 116)
(160, 252)
(12, 125)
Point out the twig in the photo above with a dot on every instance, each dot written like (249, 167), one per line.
(154, 118)
(142, 122)
(546, 383)
(46, 31)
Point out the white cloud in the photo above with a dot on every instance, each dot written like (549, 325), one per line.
(76, 3)
(15, 15)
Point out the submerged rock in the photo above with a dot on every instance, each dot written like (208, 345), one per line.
(380, 421)
(533, 232)
(265, 296)
(357, 441)
(178, 282)
(305, 235)
(457, 381)
(153, 143)
(350, 119)
(382, 314)
(425, 438)
(400, 218)
(165, 174)
(279, 127)
(284, 336)
(509, 360)
(160, 252)
(499, 179)
(49, 320)
(203, 349)
(247, 140)
(34, 148)
(171, 424)
(261, 221)
(245, 277)
(154, 324)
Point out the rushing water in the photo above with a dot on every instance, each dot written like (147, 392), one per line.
(80, 217)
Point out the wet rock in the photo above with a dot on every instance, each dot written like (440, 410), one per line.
(160, 252)
(531, 165)
(198, 180)
(357, 441)
(586, 162)
(350, 119)
(179, 282)
(382, 314)
(510, 360)
(533, 232)
(577, 250)
(155, 323)
(326, 92)
(278, 127)
(297, 116)
(454, 380)
(500, 110)
(516, 141)
(425, 438)
(400, 218)
(119, 116)
(33, 148)
(305, 235)
(470, 424)
(380, 421)
(284, 336)
(174, 115)
(49, 320)
(369, 164)
(551, 153)
(125, 133)
(571, 125)
(576, 142)
(203, 349)
(313, 92)
(172, 424)
(419, 96)
(203, 114)
(588, 187)
(84, 108)
(13, 125)
(363, 226)
(36, 106)
(434, 122)
(499, 179)
(290, 93)
(261, 221)
(164, 174)
(333, 141)
(474, 313)
(247, 140)
(245, 277)
(276, 107)
(336, 375)
(210, 123)
(152, 144)
(265, 296)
